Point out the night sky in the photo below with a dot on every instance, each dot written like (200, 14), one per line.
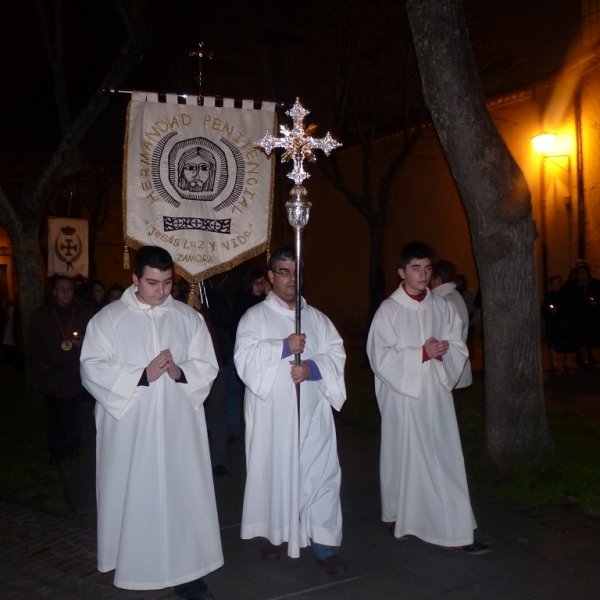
(267, 50)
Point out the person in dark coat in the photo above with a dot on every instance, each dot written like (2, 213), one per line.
(253, 291)
(559, 313)
(52, 348)
(587, 297)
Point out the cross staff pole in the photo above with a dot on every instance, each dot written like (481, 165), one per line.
(298, 145)
(298, 210)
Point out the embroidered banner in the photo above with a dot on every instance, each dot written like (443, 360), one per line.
(194, 184)
(68, 247)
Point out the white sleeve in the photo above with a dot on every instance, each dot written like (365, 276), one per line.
(330, 360)
(256, 359)
(400, 368)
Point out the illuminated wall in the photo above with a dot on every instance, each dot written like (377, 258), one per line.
(425, 203)
(590, 109)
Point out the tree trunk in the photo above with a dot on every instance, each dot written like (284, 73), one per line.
(376, 275)
(498, 205)
(28, 258)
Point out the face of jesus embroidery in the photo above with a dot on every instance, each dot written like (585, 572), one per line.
(196, 170)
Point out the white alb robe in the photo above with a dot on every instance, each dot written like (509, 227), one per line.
(157, 515)
(289, 497)
(423, 482)
(448, 291)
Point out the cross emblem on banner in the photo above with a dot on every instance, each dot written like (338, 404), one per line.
(68, 248)
(298, 143)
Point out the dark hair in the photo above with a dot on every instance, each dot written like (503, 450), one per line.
(556, 277)
(184, 289)
(584, 266)
(285, 253)
(153, 257)
(445, 270)
(116, 287)
(414, 250)
(250, 276)
(63, 278)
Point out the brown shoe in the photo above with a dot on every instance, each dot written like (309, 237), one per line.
(334, 564)
(269, 551)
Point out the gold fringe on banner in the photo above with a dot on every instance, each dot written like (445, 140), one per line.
(191, 295)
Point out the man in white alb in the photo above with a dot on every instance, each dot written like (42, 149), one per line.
(149, 362)
(291, 495)
(416, 351)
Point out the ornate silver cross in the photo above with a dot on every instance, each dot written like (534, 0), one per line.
(298, 143)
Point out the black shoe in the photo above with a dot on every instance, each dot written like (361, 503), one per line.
(193, 590)
(219, 471)
(334, 564)
(269, 551)
(474, 549)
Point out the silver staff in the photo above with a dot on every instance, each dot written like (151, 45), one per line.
(298, 145)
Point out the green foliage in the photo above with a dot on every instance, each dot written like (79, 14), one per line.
(573, 477)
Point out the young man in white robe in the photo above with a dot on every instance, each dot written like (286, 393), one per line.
(291, 496)
(149, 362)
(416, 351)
(443, 284)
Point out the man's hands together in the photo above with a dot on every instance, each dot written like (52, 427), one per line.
(435, 348)
(163, 363)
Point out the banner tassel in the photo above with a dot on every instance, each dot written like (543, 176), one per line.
(126, 258)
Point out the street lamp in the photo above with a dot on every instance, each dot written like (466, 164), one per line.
(543, 142)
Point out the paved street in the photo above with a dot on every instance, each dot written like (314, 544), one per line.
(546, 554)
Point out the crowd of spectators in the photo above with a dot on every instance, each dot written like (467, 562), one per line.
(572, 318)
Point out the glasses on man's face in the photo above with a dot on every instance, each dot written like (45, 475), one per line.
(62, 290)
(285, 273)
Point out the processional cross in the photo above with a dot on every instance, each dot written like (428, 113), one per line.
(298, 145)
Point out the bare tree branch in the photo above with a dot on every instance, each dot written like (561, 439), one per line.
(338, 180)
(54, 50)
(8, 213)
(129, 56)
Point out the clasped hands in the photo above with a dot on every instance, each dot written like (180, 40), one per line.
(435, 348)
(163, 363)
(301, 372)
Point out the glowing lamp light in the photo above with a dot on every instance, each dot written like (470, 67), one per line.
(543, 142)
